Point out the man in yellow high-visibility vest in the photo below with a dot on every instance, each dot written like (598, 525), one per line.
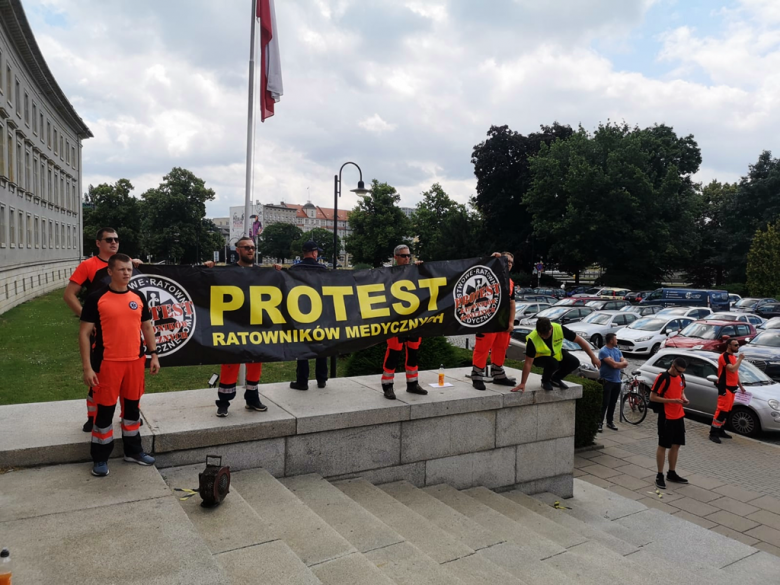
(544, 347)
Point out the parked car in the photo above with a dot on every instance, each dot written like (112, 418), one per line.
(576, 290)
(535, 298)
(734, 299)
(562, 315)
(768, 310)
(750, 304)
(615, 305)
(711, 335)
(645, 336)
(773, 323)
(754, 320)
(550, 292)
(763, 351)
(642, 310)
(717, 300)
(516, 351)
(573, 302)
(696, 313)
(595, 326)
(588, 292)
(525, 310)
(636, 297)
(761, 413)
(614, 293)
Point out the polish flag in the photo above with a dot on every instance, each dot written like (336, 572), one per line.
(270, 63)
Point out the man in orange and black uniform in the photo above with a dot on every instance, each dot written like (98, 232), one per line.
(114, 364)
(92, 273)
(728, 382)
(494, 344)
(228, 373)
(395, 345)
(669, 390)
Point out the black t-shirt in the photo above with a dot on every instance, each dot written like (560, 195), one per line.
(530, 350)
(308, 264)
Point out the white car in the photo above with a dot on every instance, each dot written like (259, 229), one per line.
(693, 312)
(595, 326)
(646, 335)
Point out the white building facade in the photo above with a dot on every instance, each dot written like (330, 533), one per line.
(40, 168)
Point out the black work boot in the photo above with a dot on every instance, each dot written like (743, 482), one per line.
(477, 378)
(388, 390)
(500, 377)
(415, 388)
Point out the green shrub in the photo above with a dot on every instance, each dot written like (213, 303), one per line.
(361, 266)
(587, 412)
(434, 351)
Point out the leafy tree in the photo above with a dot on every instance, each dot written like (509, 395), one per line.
(444, 229)
(763, 264)
(378, 226)
(755, 205)
(324, 239)
(113, 206)
(173, 217)
(501, 165)
(277, 240)
(623, 198)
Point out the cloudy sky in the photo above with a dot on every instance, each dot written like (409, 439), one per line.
(403, 88)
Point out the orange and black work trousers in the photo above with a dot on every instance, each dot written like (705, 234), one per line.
(725, 403)
(494, 344)
(395, 347)
(228, 376)
(123, 381)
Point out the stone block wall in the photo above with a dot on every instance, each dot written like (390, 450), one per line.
(18, 285)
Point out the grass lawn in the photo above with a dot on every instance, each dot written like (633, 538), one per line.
(39, 357)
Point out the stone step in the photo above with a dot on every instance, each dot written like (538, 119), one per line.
(539, 524)
(455, 557)
(308, 535)
(59, 521)
(538, 546)
(564, 518)
(757, 569)
(578, 509)
(507, 555)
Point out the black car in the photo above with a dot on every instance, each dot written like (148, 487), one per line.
(768, 310)
(750, 305)
(763, 351)
(636, 297)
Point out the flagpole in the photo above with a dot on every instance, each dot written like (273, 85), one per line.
(250, 126)
(250, 147)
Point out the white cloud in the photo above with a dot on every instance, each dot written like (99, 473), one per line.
(376, 124)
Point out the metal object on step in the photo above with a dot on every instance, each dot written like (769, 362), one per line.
(213, 482)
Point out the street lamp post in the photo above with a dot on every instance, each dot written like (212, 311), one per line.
(360, 191)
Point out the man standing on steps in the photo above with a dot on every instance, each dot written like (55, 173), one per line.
(544, 347)
(92, 273)
(612, 361)
(395, 345)
(728, 382)
(495, 344)
(228, 373)
(669, 390)
(309, 262)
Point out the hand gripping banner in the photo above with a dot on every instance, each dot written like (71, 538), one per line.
(234, 315)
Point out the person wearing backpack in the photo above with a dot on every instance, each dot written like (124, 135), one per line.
(669, 392)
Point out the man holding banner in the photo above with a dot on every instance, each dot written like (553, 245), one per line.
(395, 345)
(228, 373)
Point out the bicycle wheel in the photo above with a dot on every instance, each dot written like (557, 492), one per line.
(633, 408)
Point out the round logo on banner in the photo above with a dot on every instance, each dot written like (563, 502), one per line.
(173, 313)
(477, 296)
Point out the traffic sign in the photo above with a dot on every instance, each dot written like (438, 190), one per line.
(540, 267)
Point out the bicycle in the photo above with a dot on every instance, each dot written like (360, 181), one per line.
(633, 399)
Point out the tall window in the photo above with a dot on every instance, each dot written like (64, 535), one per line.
(55, 141)
(61, 148)
(62, 192)
(35, 118)
(26, 108)
(2, 151)
(67, 151)
(19, 163)
(35, 186)
(43, 181)
(28, 184)
(41, 121)
(1, 72)
(62, 234)
(11, 171)
(57, 235)
(17, 97)
(29, 231)
(37, 233)
(51, 237)
(2, 223)
(8, 82)
(20, 232)
(48, 133)
(69, 237)
(73, 156)
(12, 226)
(49, 192)
(43, 233)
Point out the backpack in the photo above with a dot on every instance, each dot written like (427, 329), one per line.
(658, 407)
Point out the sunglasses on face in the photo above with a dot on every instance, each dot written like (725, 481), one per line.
(404, 255)
(247, 247)
(111, 240)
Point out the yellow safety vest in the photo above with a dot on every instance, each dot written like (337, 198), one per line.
(542, 349)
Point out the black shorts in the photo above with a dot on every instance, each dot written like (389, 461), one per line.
(670, 432)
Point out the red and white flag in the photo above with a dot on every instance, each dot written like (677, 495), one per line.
(270, 63)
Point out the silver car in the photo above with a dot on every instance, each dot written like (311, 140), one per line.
(760, 413)
(516, 351)
(754, 320)
(642, 310)
(595, 326)
(528, 310)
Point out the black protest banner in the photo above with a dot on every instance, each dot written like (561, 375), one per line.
(233, 314)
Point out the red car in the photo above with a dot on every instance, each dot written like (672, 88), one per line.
(711, 335)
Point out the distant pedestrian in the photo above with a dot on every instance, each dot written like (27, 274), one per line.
(612, 361)
(728, 382)
(494, 344)
(113, 362)
(228, 373)
(311, 252)
(669, 390)
(395, 345)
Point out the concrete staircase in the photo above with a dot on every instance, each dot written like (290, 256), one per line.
(305, 529)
